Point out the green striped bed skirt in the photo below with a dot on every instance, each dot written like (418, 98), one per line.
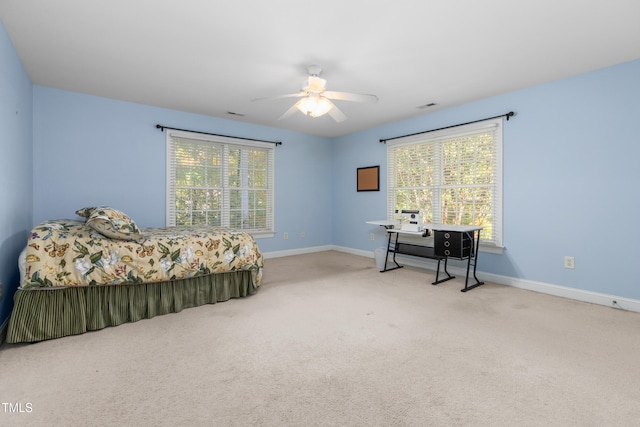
(42, 314)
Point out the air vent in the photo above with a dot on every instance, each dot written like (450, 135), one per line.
(431, 104)
(233, 113)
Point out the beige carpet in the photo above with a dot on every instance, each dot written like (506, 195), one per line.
(330, 341)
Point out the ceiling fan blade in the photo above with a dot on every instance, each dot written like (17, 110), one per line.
(346, 96)
(336, 114)
(289, 95)
(290, 111)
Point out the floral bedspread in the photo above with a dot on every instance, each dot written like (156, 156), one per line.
(70, 253)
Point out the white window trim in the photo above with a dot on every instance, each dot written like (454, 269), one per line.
(170, 173)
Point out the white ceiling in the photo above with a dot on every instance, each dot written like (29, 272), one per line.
(211, 57)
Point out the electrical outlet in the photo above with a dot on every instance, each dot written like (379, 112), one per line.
(372, 236)
(302, 234)
(285, 235)
(569, 262)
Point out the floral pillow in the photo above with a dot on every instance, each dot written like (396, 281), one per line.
(110, 222)
(86, 212)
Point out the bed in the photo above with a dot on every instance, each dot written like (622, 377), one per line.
(80, 275)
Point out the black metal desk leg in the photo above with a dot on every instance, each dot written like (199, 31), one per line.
(386, 258)
(449, 276)
(475, 263)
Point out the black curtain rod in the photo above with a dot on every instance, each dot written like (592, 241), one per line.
(162, 128)
(507, 115)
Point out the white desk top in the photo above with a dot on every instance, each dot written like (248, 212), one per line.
(436, 227)
(451, 227)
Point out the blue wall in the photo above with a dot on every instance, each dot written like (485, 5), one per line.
(90, 150)
(571, 175)
(16, 165)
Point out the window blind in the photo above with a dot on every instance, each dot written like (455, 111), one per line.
(219, 181)
(453, 176)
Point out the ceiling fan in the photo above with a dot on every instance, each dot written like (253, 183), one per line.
(316, 100)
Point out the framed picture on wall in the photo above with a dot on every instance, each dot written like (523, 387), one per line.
(369, 178)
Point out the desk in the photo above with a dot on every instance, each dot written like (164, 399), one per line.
(450, 241)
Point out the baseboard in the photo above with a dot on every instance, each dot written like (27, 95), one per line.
(565, 292)
(300, 251)
(531, 285)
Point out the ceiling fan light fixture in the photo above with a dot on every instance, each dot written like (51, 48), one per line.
(315, 101)
(314, 106)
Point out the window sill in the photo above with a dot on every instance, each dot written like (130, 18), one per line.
(491, 249)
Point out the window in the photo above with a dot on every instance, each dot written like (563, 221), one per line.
(219, 181)
(454, 176)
